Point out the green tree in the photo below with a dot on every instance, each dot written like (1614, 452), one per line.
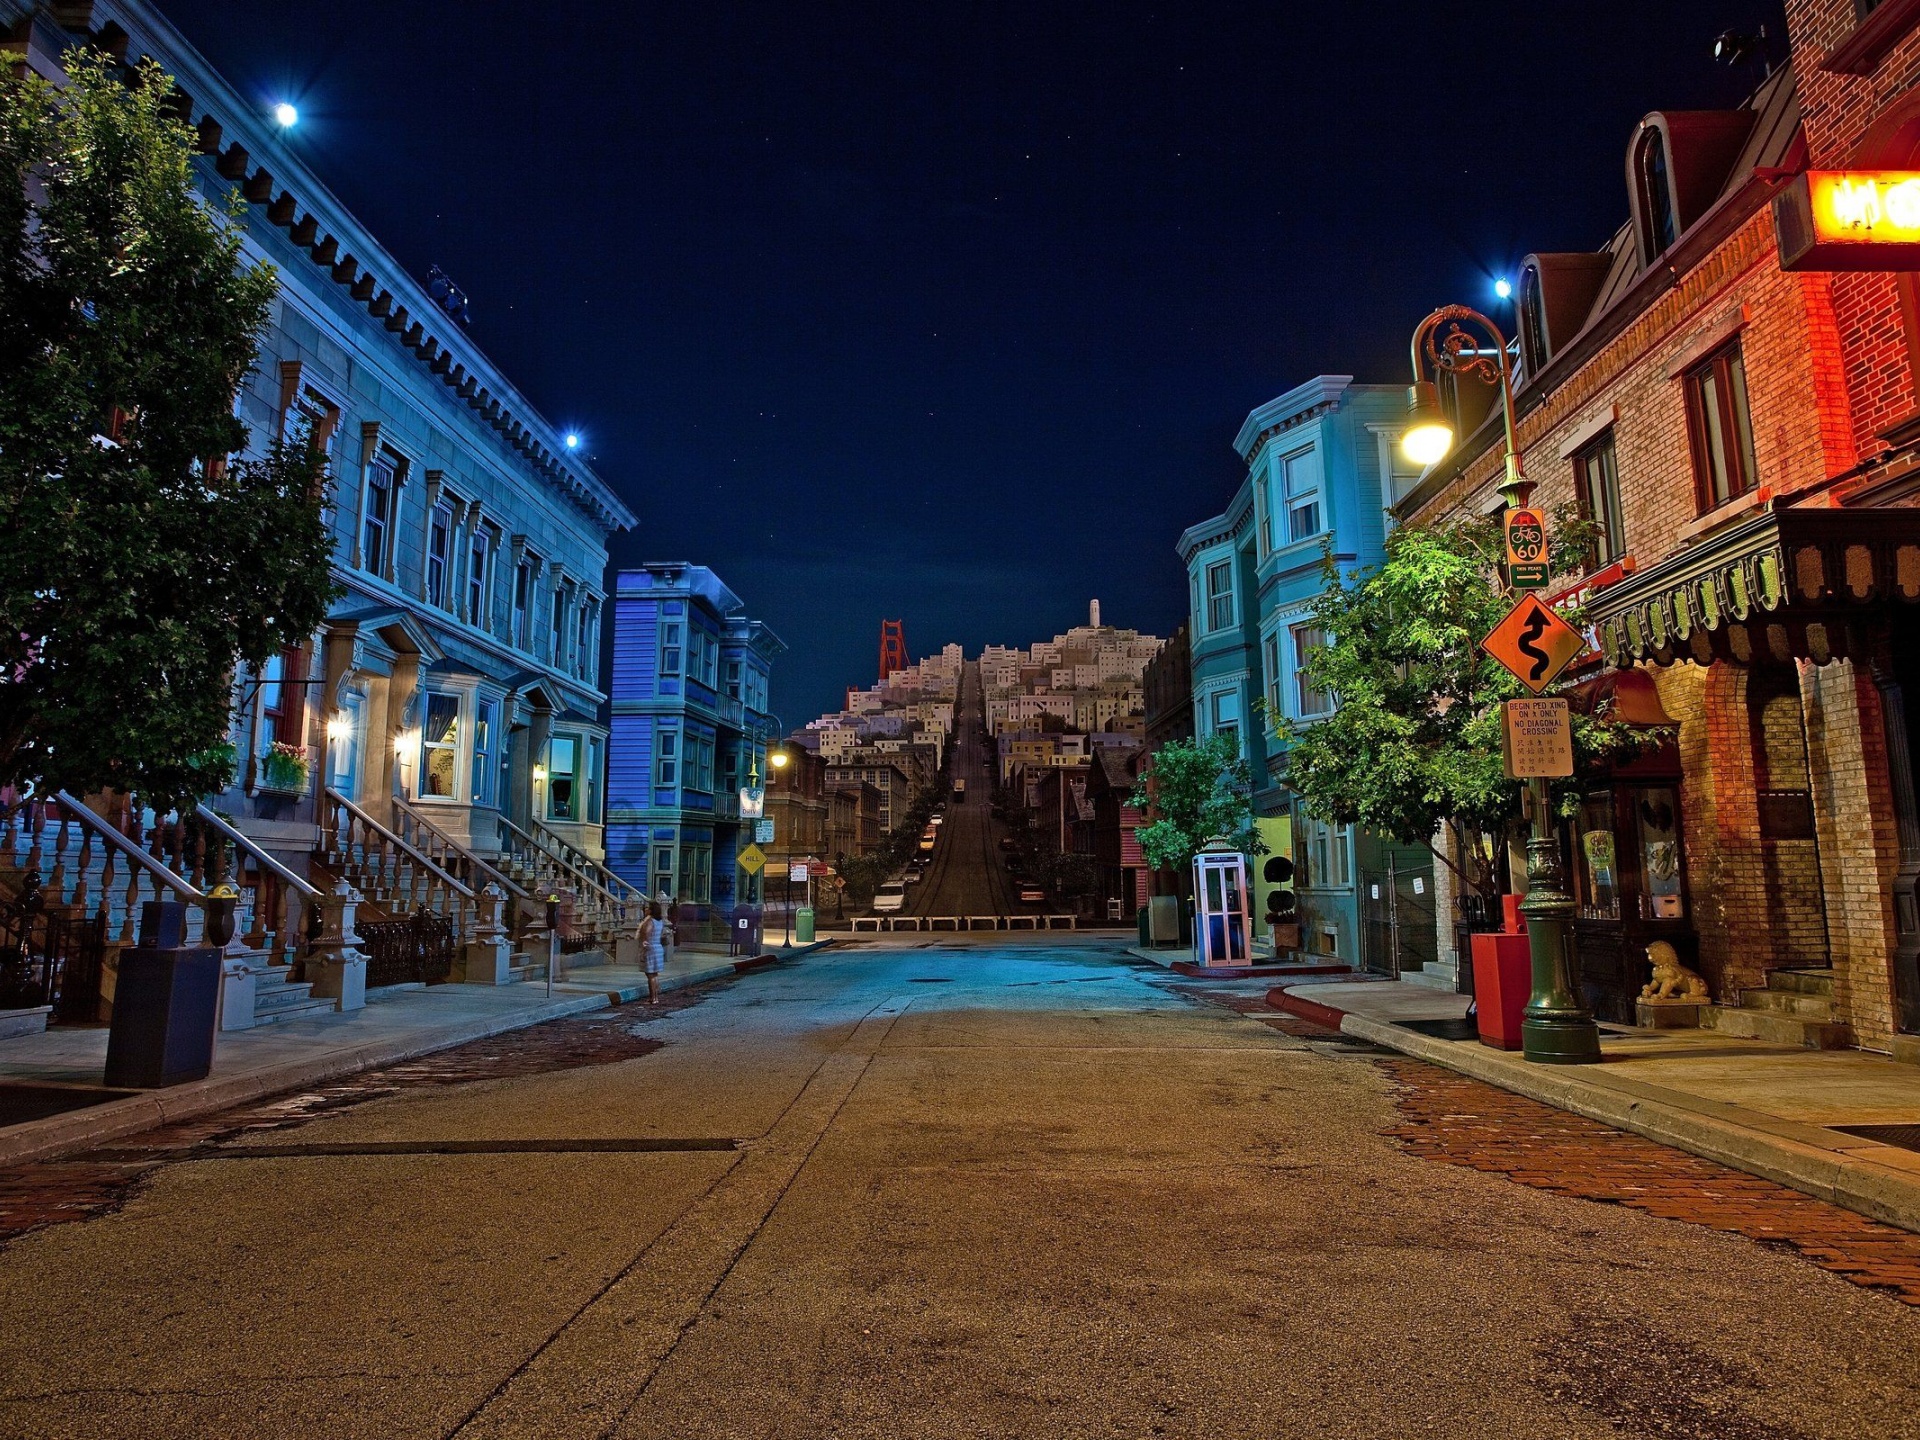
(1198, 791)
(142, 559)
(1413, 746)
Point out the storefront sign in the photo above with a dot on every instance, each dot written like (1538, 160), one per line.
(1849, 220)
(1534, 643)
(1536, 738)
(1526, 532)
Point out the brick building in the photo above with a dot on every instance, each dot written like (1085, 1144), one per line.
(1746, 436)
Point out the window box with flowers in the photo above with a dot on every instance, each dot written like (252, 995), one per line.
(284, 768)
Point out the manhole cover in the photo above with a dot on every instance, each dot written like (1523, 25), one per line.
(1907, 1137)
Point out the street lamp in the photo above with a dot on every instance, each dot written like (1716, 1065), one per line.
(779, 760)
(1557, 1029)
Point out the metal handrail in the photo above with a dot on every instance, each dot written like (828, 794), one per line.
(590, 864)
(242, 841)
(498, 877)
(561, 861)
(404, 846)
(112, 835)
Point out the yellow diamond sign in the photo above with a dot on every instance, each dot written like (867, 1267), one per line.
(753, 860)
(1534, 643)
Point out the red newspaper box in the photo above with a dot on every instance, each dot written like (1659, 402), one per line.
(1503, 980)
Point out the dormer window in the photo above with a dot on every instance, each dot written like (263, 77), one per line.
(1659, 226)
(1534, 351)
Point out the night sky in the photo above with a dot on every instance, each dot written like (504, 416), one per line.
(951, 313)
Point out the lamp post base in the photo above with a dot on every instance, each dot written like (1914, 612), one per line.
(1560, 1042)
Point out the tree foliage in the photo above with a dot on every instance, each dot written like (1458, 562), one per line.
(142, 559)
(1198, 791)
(1414, 743)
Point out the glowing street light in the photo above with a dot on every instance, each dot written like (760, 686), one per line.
(1429, 434)
(1503, 287)
(286, 115)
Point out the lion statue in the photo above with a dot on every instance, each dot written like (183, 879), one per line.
(1672, 980)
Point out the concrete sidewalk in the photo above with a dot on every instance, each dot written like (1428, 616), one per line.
(1766, 1109)
(397, 1024)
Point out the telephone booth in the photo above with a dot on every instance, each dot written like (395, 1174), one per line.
(1222, 926)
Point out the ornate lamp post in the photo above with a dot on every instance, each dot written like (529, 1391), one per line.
(1557, 1029)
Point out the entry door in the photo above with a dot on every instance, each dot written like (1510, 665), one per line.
(343, 749)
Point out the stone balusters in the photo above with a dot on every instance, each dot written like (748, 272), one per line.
(488, 954)
(336, 965)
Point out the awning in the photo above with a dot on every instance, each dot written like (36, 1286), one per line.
(1786, 584)
(1627, 697)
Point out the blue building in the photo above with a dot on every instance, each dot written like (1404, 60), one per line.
(690, 730)
(1323, 466)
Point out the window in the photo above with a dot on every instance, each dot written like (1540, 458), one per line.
(282, 715)
(1659, 227)
(563, 780)
(486, 719)
(1220, 595)
(1596, 474)
(1327, 853)
(663, 870)
(557, 628)
(1533, 322)
(478, 556)
(733, 679)
(522, 597)
(1720, 427)
(440, 746)
(382, 476)
(439, 551)
(1225, 713)
(590, 780)
(582, 636)
(668, 773)
(1300, 480)
(1309, 698)
(670, 648)
(1270, 668)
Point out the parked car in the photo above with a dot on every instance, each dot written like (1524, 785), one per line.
(890, 897)
(914, 876)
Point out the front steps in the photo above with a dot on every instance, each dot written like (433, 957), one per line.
(1794, 1008)
(276, 998)
(1435, 975)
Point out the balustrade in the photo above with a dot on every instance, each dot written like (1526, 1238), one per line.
(391, 870)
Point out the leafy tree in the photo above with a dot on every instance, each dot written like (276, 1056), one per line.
(142, 558)
(1414, 744)
(1198, 791)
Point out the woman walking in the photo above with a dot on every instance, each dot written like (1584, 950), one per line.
(653, 953)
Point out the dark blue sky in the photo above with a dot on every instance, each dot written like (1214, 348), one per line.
(951, 313)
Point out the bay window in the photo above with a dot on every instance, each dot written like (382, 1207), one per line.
(440, 746)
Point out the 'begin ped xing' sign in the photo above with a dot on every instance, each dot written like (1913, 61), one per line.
(1537, 738)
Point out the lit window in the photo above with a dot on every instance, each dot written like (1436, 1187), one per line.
(1720, 427)
(440, 746)
(1596, 471)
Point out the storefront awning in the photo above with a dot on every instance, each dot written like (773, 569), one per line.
(1786, 584)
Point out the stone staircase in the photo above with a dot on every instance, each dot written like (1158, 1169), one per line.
(1794, 1008)
(276, 996)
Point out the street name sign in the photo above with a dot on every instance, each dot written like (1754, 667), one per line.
(1526, 534)
(753, 860)
(1536, 738)
(1534, 643)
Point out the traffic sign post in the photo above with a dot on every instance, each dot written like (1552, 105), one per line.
(1534, 643)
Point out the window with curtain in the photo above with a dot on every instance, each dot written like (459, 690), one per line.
(440, 746)
(1596, 470)
(1720, 427)
(1309, 699)
(486, 719)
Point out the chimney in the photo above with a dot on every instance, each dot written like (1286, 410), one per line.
(1093, 615)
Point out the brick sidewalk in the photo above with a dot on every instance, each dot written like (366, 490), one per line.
(84, 1187)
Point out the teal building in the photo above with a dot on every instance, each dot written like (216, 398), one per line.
(1323, 466)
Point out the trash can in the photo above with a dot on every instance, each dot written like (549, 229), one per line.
(803, 925)
(1145, 919)
(165, 1001)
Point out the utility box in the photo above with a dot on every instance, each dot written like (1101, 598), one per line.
(165, 1004)
(745, 936)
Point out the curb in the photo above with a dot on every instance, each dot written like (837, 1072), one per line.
(1881, 1182)
(1306, 1009)
(97, 1124)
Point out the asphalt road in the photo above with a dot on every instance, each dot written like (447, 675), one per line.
(1021, 1190)
(968, 876)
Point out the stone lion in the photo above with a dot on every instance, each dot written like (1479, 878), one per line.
(1672, 980)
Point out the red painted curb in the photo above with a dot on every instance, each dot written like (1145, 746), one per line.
(1306, 1009)
(741, 967)
(1255, 972)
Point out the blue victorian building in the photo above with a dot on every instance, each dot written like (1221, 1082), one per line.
(1323, 466)
(690, 729)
